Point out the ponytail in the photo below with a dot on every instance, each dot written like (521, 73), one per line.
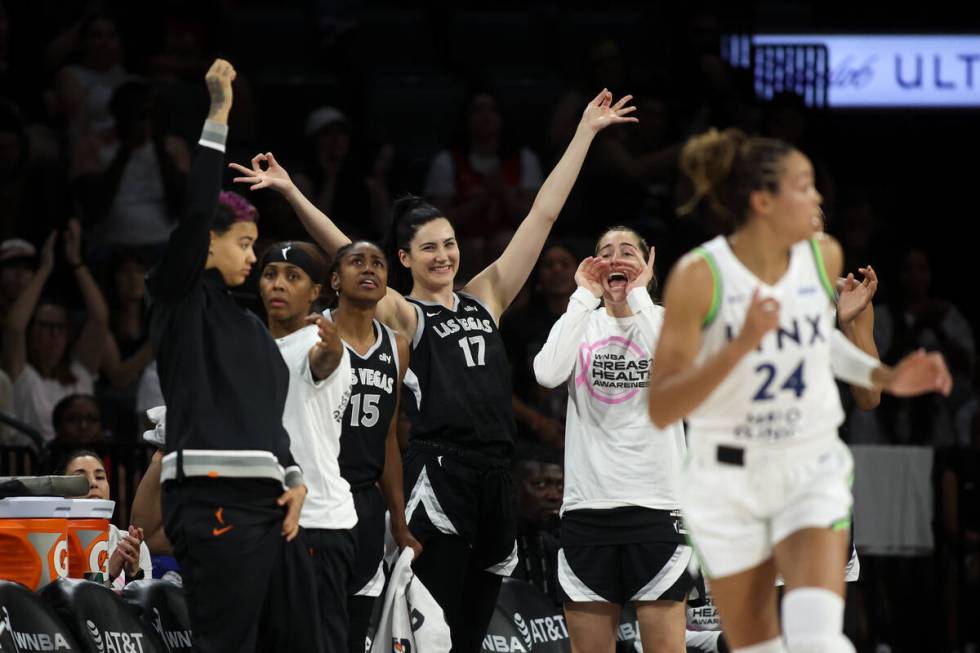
(408, 213)
(725, 168)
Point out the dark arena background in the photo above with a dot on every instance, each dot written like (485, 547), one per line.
(365, 101)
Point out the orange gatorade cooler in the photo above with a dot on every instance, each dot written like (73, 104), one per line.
(33, 540)
(88, 536)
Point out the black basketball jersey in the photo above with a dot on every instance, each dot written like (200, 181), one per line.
(374, 382)
(458, 386)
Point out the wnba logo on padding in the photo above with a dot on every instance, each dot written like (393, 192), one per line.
(615, 369)
(30, 641)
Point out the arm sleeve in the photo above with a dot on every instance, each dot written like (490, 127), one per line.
(187, 251)
(556, 360)
(849, 363)
(644, 309)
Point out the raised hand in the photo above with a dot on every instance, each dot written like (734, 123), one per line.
(326, 353)
(590, 274)
(73, 243)
(761, 318)
(273, 176)
(601, 112)
(854, 296)
(219, 78)
(47, 253)
(920, 373)
(642, 278)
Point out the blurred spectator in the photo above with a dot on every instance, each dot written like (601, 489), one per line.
(917, 319)
(604, 68)
(540, 412)
(38, 354)
(33, 192)
(77, 419)
(961, 542)
(83, 89)
(189, 31)
(358, 201)
(8, 435)
(631, 174)
(131, 184)
(486, 182)
(856, 225)
(17, 260)
(539, 480)
(127, 349)
(787, 118)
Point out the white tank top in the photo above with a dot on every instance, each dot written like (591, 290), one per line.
(784, 391)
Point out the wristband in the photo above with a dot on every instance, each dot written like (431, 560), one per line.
(214, 135)
(849, 363)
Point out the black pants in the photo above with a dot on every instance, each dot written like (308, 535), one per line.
(333, 560)
(465, 591)
(461, 507)
(247, 588)
(360, 610)
(369, 535)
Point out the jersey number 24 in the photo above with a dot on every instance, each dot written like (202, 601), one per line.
(793, 383)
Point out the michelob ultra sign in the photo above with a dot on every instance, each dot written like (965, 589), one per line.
(873, 70)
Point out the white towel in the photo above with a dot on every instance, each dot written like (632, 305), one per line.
(893, 500)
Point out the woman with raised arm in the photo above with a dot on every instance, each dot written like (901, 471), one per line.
(457, 472)
(232, 493)
(748, 354)
(38, 353)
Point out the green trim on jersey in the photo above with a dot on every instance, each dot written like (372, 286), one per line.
(845, 523)
(822, 269)
(715, 289)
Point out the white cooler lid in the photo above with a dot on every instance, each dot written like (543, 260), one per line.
(91, 509)
(34, 508)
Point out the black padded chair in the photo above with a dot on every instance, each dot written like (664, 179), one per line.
(100, 620)
(162, 607)
(28, 624)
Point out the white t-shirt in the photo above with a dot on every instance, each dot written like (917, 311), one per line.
(614, 455)
(441, 178)
(312, 417)
(35, 397)
(138, 214)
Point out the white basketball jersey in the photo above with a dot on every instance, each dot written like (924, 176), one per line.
(784, 391)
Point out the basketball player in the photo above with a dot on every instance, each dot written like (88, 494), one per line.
(621, 535)
(748, 353)
(232, 493)
(370, 459)
(319, 388)
(457, 470)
